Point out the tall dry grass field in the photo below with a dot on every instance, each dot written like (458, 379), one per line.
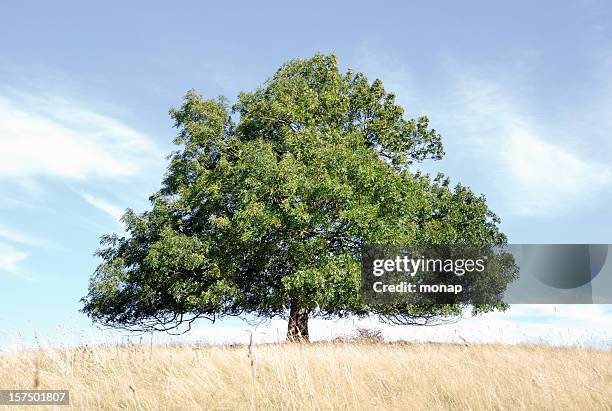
(318, 376)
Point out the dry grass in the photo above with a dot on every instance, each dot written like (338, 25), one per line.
(319, 376)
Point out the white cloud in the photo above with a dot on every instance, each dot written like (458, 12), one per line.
(547, 177)
(52, 137)
(10, 257)
(500, 141)
(534, 174)
(103, 205)
(17, 237)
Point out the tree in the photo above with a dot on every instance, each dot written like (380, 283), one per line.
(265, 206)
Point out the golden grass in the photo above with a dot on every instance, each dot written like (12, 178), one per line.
(318, 376)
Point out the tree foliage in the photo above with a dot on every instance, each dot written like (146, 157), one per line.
(266, 204)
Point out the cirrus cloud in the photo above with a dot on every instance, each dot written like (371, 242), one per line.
(52, 137)
(10, 257)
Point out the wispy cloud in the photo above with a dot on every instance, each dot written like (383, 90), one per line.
(539, 175)
(550, 178)
(52, 137)
(17, 237)
(103, 205)
(10, 257)
(498, 138)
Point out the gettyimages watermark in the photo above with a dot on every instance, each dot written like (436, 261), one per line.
(487, 274)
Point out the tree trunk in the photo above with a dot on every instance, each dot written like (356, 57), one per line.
(297, 331)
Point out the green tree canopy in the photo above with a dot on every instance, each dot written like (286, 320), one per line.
(265, 206)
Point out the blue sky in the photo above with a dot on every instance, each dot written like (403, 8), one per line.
(522, 95)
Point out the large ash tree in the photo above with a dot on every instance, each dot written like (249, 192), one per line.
(266, 204)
